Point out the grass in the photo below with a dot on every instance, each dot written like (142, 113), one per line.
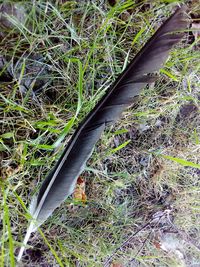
(63, 56)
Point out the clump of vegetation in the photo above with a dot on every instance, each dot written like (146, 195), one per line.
(142, 182)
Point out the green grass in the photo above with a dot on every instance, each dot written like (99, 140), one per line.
(7, 225)
(147, 163)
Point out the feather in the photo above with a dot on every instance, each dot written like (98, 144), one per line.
(61, 181)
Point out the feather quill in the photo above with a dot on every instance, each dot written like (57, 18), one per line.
(61, 181)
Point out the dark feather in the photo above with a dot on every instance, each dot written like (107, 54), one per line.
(61, 181)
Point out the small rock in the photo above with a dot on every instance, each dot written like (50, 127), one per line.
(144, 161)
(171, 243)
(144, 127)
(158, 123)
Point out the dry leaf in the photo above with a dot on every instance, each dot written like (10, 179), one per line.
(157, 244)
(79, 192)
(116, 265)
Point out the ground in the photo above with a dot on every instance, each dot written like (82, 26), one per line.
(57, 59)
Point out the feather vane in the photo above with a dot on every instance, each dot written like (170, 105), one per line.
(61, 181)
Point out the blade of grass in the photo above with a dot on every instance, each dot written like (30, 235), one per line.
(14, 106)
(79, 104)
(3, 241)
(7, 220)
(169, 74)
(51, 248)
(183, 162)
(112, 151)
(62, 249)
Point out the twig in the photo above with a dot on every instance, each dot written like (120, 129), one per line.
(106, 264)
(156, 219)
